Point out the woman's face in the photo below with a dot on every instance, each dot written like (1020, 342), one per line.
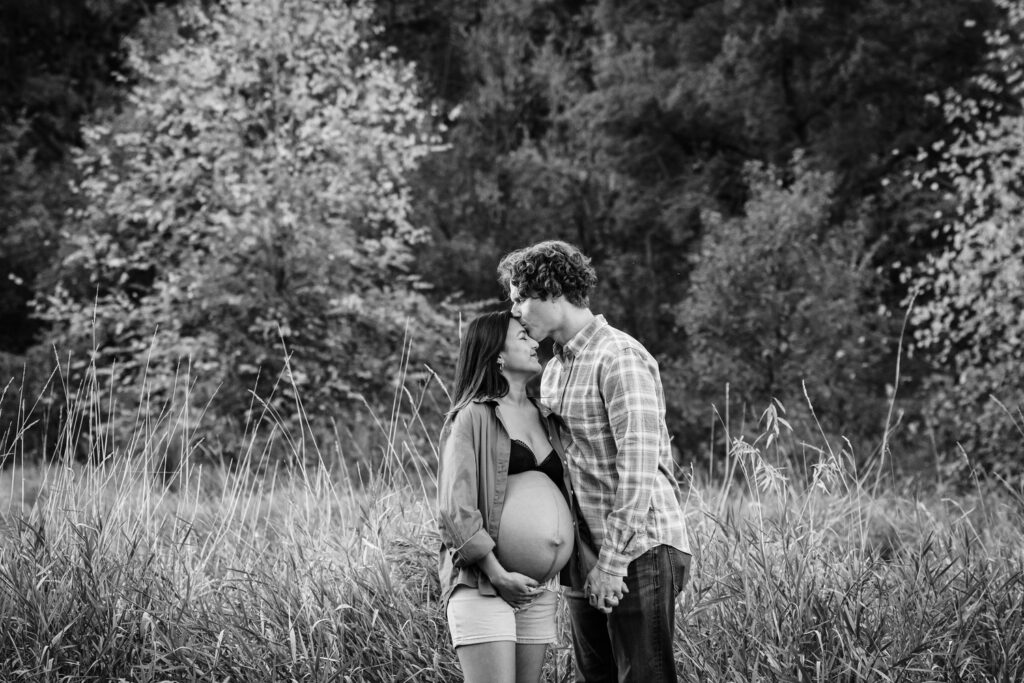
(520, 352)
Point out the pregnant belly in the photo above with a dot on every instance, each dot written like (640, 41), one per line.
(535, 535)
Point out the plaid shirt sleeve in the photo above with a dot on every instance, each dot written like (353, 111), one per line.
(631, 396)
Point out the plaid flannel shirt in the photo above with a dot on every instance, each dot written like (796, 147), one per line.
(606, 389)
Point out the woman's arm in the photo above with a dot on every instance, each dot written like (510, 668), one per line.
(459, 519)
(516, 589)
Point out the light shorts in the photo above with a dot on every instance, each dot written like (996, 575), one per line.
(475, 618)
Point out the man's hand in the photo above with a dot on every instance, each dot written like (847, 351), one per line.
(604, 591)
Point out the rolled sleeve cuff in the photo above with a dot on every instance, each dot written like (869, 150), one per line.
(475, 548)
(613, 565)
(617, 563)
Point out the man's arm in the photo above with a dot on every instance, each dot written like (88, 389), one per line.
(634, 414)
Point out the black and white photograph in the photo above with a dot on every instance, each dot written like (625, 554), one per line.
(512, 341)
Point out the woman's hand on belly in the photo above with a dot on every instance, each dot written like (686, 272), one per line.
(514, 588)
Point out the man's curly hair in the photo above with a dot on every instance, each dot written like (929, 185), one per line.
(549, 269)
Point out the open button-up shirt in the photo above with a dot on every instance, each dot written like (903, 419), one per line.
(606, 388)
(472, 480)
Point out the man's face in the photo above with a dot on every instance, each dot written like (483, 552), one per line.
(539, 317)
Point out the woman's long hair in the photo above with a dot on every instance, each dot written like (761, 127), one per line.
(477, 374)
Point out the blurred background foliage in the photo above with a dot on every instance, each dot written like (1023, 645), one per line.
(265, 203)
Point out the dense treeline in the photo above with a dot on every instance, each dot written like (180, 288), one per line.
(742, 172)
(764, 187)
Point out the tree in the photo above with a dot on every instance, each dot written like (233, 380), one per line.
(781, 297)
(624, 126)
(33, 199)
(617, 124)
(968, 319)
(59, 61)
(250, 206)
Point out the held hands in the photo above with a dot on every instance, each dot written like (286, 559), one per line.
(604, 591)
(516, 589)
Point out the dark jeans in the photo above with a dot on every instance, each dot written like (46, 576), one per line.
(634, 642)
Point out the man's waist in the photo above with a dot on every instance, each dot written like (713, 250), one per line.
(660, 526)
(616, 562)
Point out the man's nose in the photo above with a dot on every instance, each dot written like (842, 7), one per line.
(515, 309)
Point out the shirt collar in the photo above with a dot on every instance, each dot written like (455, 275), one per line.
(491, 400)
(574, 347)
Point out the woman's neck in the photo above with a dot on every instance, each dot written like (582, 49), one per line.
(516, 395)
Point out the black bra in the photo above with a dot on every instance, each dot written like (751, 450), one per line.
(521, 459)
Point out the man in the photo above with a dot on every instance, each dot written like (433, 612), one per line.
(606, 389)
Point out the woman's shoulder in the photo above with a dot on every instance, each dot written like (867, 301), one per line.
(468, 424)
(473, 412)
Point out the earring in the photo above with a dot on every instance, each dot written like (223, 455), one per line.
(501, 364)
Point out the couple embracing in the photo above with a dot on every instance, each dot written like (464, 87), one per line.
(598, 435)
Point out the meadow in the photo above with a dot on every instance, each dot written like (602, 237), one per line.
(297, 568)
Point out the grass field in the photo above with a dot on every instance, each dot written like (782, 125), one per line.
(112, 572)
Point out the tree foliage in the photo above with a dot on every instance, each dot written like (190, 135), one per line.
(625, 126)
(249, 206)
(32, 203)
(59, 61)
(969, 320)
(249, 184)
(780, 298)
(616, 125)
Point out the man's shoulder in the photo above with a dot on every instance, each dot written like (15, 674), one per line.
(611, 340)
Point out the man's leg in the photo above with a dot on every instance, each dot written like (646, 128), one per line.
(592, 648)
(643, 625)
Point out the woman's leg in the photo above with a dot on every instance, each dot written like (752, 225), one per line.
(530, 662)
(488, 662)
(483, 631)
(535, 629)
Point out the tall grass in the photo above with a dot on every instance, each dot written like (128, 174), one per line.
(146, 564)
(836, 580)
(119, 570)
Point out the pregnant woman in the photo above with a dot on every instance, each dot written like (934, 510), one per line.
(505, 524)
